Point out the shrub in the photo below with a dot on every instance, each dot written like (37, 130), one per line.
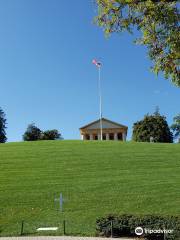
(51, 135)
(125, 225)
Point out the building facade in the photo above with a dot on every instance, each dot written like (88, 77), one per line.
(110, 131)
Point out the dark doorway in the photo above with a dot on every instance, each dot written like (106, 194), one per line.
(95, 137)
(120, 136)
(111, 136)
(87, 137)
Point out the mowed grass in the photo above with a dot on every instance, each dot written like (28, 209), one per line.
(96, 178)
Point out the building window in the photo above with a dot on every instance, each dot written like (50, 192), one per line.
(104, 136)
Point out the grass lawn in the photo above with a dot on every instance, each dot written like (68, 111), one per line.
(96, 178)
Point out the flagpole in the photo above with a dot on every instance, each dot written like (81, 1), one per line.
(100, 102)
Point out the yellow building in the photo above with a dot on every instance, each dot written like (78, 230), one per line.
(110, 131)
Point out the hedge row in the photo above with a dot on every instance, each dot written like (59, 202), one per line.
(125, 225)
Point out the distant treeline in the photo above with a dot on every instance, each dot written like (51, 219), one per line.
(152, 128)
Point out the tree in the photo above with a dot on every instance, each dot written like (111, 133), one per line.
(51, 135)
(152, 128)
(3, 120)
(32, 133)
(158, 22)
(176, 127)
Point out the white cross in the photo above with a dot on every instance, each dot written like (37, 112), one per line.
(61, 201)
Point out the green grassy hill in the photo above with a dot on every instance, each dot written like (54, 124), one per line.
(96, 178)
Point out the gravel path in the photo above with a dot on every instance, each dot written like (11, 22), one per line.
(62, 238)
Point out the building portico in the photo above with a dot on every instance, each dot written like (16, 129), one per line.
(110, 131)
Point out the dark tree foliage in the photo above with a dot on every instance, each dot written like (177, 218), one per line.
(32, 133)
(2, 127)
(51, 135)
(176, 127)
(152, 127)
(124, 226)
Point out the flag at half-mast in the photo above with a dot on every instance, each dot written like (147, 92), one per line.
(97, 63)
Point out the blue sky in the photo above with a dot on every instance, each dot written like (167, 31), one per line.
(47, 76)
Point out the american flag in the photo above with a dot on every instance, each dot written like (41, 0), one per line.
(97, 63)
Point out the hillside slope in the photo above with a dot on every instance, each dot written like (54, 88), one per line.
(96, 178)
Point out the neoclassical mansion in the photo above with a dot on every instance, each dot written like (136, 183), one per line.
(110, 131)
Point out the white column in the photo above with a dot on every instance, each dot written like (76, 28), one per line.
(107, 136)
(91, 136)
(115, 136)
(83, 137)
(99, 136)
(124, 137)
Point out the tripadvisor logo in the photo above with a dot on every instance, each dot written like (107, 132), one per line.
(139, 231)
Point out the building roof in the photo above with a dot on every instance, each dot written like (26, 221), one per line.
(106, 120)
